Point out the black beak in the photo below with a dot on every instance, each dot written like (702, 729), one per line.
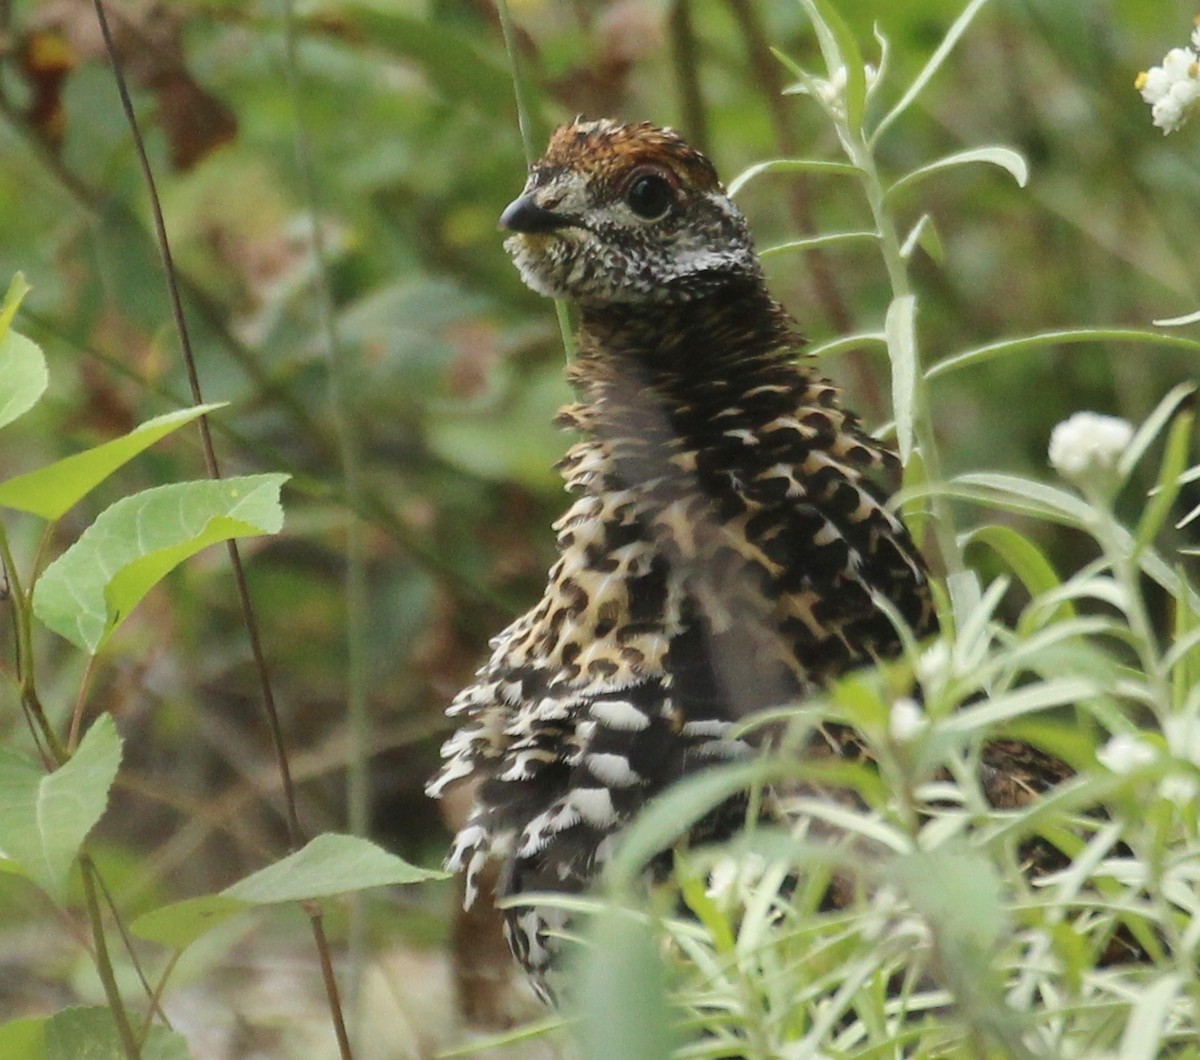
(525, 215)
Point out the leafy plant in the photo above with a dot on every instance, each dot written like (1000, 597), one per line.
(51, 800)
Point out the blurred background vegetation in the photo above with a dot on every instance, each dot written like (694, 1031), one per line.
(451, 370)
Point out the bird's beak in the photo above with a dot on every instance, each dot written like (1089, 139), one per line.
(525, 215)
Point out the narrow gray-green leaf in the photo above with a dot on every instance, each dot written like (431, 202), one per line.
(1004, 157)
(900, 329)
(952, 37)
(624, 1011)
(816, 242)
(45, 817)
(789, 165)
(51, 490)
(980, 354)
(329, 864)
(1151, 426)
(1142, 1038)
(90, 589)
(23, 376)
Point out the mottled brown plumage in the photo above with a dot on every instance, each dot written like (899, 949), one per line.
(726, 549)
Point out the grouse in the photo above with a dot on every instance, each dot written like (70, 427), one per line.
(726, 550)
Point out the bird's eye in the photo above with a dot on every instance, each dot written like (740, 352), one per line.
(649, 196)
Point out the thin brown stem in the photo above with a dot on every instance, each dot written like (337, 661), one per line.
(685, 59)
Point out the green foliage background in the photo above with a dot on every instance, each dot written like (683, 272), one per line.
(405, 116)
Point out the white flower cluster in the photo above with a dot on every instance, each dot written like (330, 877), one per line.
(1088, 444)
(1173, 89)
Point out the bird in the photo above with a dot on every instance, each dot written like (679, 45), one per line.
(728, 547)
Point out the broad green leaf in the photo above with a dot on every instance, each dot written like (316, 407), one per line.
(329, 864)
(50, 491)
(23, 376)
(964, 908)
(790, 165)
(45, 817)
(91, 1034)
(1004, 157)
(179, 924)
(17, 290)
(624, 1009)
(24, 1039)
(900, 328)
(90, 589)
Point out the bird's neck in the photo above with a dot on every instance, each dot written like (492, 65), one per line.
(666, 343)
(694, 358)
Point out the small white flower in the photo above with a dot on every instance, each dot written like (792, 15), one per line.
(907, 720)
(1178, 789)
(1183, 737)
(831, 92)
(731, 879)
(934, 666)
(1172, 89)
(1088, 445)
(1124, 754)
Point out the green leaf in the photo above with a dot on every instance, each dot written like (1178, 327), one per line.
(91, 1034)
(790, 165)
(1025, 560)
(623, 991)
(900, 328)
(671, 814)
(980, 354)
(840, 51)
(1142, 1038)
(1004, 157)
(23, 376)
(90, 589)
(24, 1039)
(923, 234)
(456, 67)
(816, 242)
(329, 864)
(17, 290)
(179, 924)
(45, 817)
(952, 37)
(50, 491)
(1152, 425)
(1166, 490)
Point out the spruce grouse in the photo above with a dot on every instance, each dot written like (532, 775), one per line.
(725, 551)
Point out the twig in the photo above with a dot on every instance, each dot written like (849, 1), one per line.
(350, 455)
(686, 61)
(249, 619)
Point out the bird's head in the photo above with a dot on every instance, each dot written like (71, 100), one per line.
(618, 213)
